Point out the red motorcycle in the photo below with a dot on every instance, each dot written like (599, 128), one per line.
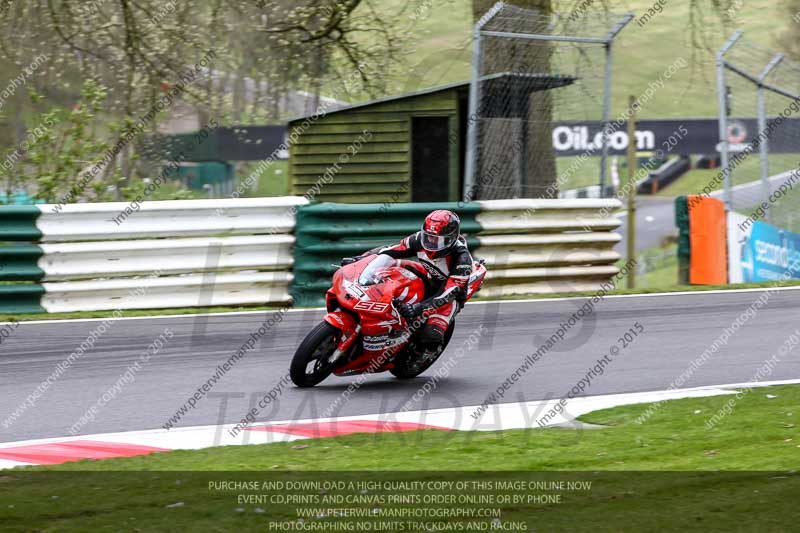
(363, 331)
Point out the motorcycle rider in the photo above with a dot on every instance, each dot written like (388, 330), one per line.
(443, 252)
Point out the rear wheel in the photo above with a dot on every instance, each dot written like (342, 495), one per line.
(310, 362)
(407, 365)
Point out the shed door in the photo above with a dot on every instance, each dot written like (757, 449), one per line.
(430, 159)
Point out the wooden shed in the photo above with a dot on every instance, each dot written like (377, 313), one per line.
(414, 149)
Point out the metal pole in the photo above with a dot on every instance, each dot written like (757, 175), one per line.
(607, 98)
(778, 90)
(606, 112)
(474, 97)
(472, 120)
(762, 128)
(631, 187)
(543, 37)
(723, 117)
(763, 151)
(619, 26)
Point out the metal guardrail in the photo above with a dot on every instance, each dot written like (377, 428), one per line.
(186, 253)
(530, 246)
(543, 246)
(198, 253)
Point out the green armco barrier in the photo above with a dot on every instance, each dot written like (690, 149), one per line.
(19, 263)
(684, 249)
(21, 298)
(327, 232)
(18, 223)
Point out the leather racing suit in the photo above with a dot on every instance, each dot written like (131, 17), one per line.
(445, 274)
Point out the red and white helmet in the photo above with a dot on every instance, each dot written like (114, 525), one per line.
(440, 230)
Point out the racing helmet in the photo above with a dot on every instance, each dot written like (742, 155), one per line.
(440, 230)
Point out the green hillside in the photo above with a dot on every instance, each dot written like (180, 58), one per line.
(441, 52)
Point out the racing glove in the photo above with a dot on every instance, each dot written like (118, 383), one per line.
(410, 311)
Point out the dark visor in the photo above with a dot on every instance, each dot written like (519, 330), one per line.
(436, 243)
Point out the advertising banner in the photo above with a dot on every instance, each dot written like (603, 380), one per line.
(683, 136)
(758, 251)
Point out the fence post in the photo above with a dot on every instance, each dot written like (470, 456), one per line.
(762, 127)
(723, 117)
(631, 186)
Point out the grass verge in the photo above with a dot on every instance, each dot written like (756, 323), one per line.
(734, 490)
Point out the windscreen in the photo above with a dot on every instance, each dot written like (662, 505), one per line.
(370, 274)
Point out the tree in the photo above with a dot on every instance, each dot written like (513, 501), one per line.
(541, 162)
(140, 49)
(540, 159)
(790, 41)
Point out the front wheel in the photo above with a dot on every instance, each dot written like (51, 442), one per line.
(310, 362)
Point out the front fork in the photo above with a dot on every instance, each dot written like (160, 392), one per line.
(351, 332)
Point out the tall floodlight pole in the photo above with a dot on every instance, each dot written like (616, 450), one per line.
(762, 128)
(474, 99)
(723, 117)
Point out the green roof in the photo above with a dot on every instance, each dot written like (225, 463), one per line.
(517, 82)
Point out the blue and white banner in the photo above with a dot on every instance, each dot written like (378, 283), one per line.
(758, 251)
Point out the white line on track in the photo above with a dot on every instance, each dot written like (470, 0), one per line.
(498, 417)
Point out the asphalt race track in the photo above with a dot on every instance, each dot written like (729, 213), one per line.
(677, 329)
(655, 215)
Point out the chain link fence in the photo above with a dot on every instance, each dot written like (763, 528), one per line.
(531, 71)
(759, 113)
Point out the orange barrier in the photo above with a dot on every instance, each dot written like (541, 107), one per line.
(707, 231)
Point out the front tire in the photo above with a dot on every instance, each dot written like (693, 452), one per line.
(310, 362)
